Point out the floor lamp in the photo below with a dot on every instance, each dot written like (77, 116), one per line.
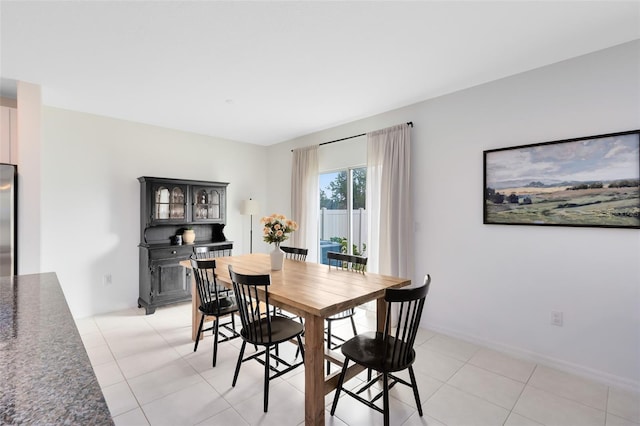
(250, 207)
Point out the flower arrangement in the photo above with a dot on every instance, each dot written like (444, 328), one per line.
(276, 228)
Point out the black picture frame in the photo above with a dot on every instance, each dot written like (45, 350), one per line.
(590, 181)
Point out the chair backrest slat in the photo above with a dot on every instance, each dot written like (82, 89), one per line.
(409, 304)
(206, 252)
(347, 261)
(204, 273)
(295, 253)
(255, 315)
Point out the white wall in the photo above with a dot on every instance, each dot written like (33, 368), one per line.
(29, 156)
(497, 285)
(91, 198)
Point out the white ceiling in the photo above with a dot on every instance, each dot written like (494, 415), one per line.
(264, 72)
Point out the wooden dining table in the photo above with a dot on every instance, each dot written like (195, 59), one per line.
(313, 291)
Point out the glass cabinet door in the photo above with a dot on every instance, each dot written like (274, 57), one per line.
(208, 204)
(169, 203)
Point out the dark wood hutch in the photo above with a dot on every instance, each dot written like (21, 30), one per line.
(167, 208)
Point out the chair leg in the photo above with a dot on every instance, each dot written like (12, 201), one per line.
(353, 325)
(216, 324)
(385, 398)
(414, 385)
(195, 347)
(235, 375)
(339, 387)
(300, 347)
(266, 378)
(328, 345)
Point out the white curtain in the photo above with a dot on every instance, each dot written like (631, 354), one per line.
(305, 199)
(389, 201)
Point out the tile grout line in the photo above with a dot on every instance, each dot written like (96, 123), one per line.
(535, 367)
(126, 380)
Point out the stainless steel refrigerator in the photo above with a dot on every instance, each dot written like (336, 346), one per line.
(8, 215)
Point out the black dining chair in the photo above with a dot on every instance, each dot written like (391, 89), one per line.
(351, 263)
(205, 252)
(213, 303)
(295, 253)
(388, 351)
(261, 328)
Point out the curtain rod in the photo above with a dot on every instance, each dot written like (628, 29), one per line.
(409, 123)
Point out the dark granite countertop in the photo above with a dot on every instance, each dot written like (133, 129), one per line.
(45, 374)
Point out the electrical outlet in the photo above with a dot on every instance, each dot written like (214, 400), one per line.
(106, 279)
(556, 318)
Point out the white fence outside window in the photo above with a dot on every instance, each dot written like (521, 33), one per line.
(334, 223)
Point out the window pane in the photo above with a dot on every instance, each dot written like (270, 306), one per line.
(337, 232)
(359, 214)
(334, 222)
(359, 188)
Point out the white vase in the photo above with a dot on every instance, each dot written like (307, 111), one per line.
(277, 258)
(188, 236)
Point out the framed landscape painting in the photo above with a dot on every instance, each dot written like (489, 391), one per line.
(588, 181)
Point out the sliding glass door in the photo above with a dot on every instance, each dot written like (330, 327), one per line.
(343, 215)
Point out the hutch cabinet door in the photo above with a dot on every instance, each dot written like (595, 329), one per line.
(169, 281)
(169, 203)
(208, 203)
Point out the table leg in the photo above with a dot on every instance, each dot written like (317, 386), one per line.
(195, 312)
(314, 371)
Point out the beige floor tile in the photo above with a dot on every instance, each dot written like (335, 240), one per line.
(86, 326)
(503, 364)
(147, 361)
(286, 406)
(202, 360)
(625, 404)
(163, 381)
(226, 417)
(424, 335)
(119, 398)
(124, 343)
(100, 355)
(550, 409)
(127, 319)
(450, 346)
(352, 412)
(570, 386)
(435, 364)
(131, 418)
(427, 386)
(330, 420)
(425, 420)
(493, 387)
(188, 406)
(91, 340)
(452, 406)
(515, 419)
(180, 339)
(613, 420)
(108, 374)
(250, 382)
